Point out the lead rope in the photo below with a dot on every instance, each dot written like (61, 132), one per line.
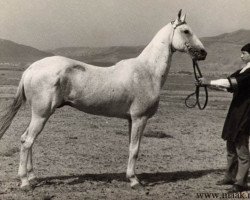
(197, 90)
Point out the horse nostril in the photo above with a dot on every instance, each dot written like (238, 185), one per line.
(203, 52)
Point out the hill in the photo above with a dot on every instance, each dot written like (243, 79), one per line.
(11, 52)
(239, 37)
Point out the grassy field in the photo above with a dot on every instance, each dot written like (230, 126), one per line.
(81, 156)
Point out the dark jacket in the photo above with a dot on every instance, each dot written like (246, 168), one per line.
(238, 117)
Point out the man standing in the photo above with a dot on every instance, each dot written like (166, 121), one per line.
(237, 124)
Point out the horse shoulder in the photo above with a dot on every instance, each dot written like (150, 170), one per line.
(145, 92)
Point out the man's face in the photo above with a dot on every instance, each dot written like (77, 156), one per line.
(245, 56)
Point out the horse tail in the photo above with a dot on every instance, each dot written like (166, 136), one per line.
(11, 111)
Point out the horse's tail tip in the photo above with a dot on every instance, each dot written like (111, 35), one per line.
(6, 119)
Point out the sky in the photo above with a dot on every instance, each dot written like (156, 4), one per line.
(50, 24)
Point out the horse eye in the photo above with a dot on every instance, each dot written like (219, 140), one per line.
(186, 32)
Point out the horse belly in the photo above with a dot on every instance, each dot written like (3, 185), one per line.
(104, 108)
(100, 101)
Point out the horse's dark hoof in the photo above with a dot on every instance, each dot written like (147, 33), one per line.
(140, 188)
(26, 188)
(137, 186)
(34, 182)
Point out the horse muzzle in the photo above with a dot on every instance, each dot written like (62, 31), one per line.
(196, 53)
(200, 55)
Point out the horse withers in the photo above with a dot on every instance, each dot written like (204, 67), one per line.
(130, 89)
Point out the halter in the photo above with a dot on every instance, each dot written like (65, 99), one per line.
(174, 27)
(197, 75)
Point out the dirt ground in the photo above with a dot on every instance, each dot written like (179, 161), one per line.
(81, 156)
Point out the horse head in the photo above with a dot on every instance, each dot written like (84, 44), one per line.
(184, 39)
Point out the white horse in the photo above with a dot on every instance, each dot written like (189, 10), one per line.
(130, 90)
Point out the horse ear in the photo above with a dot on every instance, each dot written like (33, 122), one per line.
(183, 18)
(179, 14)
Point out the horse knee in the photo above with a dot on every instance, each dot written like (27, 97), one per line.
(23, 139)
(23, 136)
(27, 143)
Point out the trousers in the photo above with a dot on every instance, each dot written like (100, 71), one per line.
(238, 160)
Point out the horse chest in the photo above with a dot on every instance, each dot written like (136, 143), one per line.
(145, 105)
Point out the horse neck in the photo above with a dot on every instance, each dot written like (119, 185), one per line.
(158, 54)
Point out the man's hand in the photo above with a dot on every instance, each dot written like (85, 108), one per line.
(202, 82)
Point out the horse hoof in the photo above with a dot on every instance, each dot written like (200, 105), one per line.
(26, 188)
(137, 186)
(34, 182)
(140, 188)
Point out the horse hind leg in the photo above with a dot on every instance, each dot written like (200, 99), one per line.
(30, 171)
(27, 141)
(42, 109)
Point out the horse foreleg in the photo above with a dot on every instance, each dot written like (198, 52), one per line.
(129, 128)
(138, 125)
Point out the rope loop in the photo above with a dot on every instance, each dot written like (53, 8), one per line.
(197, 75)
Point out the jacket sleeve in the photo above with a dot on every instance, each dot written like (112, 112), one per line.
(242, 81)
(233, 84)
